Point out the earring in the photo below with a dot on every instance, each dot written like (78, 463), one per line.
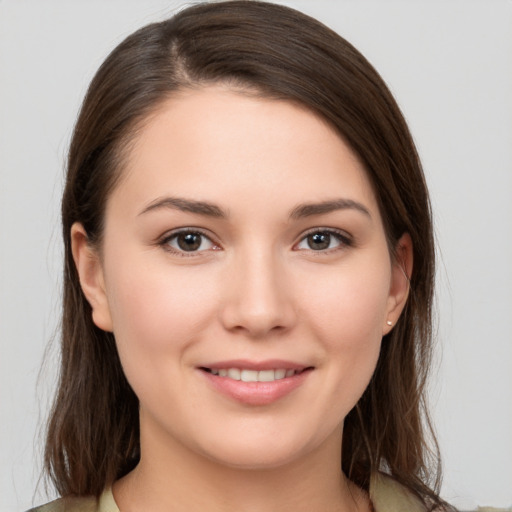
(389, 322)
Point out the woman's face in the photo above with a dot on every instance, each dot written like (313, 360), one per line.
(245, 274)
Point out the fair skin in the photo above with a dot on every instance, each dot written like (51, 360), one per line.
(213, 261)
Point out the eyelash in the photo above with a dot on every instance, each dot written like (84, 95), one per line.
(166, 240)
(343, 238)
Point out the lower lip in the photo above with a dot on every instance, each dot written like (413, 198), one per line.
(256, 393)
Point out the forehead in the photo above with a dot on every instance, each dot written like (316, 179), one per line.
(218, 144)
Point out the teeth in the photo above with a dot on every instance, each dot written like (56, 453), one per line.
(266, 376)
(279, 374)
(234, 373)
(249, 376)
(254, 375)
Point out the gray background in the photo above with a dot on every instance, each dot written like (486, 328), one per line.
(449, 64)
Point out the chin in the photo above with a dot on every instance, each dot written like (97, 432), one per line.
(259, 452)
(253, 460)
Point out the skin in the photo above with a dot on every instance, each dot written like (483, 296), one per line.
(254, 290)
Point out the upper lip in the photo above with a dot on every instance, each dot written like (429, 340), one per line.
(268, 364)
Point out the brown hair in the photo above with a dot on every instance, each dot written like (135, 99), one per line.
(93, 436)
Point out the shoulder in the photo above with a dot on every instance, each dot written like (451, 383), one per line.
(105, 503)
(388, 495)
(87, 504)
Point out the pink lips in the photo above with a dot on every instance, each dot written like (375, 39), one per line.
(255, 392)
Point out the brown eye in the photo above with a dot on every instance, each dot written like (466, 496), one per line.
(324, 240)
(319, 241)
(188, 241)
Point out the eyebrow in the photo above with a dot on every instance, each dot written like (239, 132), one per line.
(311, 209)
(212, 210)
(186, 205)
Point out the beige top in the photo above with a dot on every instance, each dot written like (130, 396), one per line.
(386, 494)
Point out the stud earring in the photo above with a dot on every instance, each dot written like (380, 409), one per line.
(389, 322)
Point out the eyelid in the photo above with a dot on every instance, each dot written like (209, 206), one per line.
(345, 239)
(164, 240)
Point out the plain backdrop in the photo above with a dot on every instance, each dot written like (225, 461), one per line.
(449, 63)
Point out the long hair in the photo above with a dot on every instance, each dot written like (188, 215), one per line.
(276, 52)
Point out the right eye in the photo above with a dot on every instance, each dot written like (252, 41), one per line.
(188, 241)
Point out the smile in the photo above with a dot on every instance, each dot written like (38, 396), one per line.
(255, 384)
(246, 375)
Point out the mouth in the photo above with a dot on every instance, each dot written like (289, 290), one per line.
(250, 375)
(252, 383)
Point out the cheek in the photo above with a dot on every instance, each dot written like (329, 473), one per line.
(350, 304)
(348, 315)
(158, 313)
(157, 310)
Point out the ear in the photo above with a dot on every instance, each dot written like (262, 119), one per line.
(90, 272)
(400, 281)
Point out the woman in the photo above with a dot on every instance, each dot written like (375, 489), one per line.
(248, 277)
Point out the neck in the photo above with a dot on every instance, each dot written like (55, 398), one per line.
(172, 477)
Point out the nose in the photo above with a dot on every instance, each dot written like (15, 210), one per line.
(258, 300)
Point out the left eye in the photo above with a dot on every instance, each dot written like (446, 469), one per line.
(189, 241)
(322, 241)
